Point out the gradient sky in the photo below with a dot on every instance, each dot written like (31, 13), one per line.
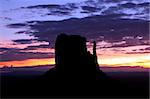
(29, 28)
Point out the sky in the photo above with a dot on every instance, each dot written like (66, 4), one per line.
(28, 30)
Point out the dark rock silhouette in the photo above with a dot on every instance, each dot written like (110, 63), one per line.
(77, 69)
(73, 61)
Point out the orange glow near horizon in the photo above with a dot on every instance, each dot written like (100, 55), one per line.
(28, 62)
(112, 57)
(125, 60)
(103, 60)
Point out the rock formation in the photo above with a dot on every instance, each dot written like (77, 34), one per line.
(77, 71)
(73, 61)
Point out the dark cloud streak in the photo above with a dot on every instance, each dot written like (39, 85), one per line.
(36, 47)
(91, 27)
(16, 55)
(24, 41)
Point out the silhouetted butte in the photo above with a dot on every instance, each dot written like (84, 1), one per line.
(73, 61)
(77, 71)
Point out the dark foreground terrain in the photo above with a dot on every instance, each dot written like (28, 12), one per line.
(21, 83)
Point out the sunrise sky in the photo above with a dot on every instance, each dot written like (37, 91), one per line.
(28, 29)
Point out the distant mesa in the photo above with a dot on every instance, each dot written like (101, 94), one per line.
(11, 66)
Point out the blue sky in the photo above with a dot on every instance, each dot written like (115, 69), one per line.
(9, 14)
(119, 26)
